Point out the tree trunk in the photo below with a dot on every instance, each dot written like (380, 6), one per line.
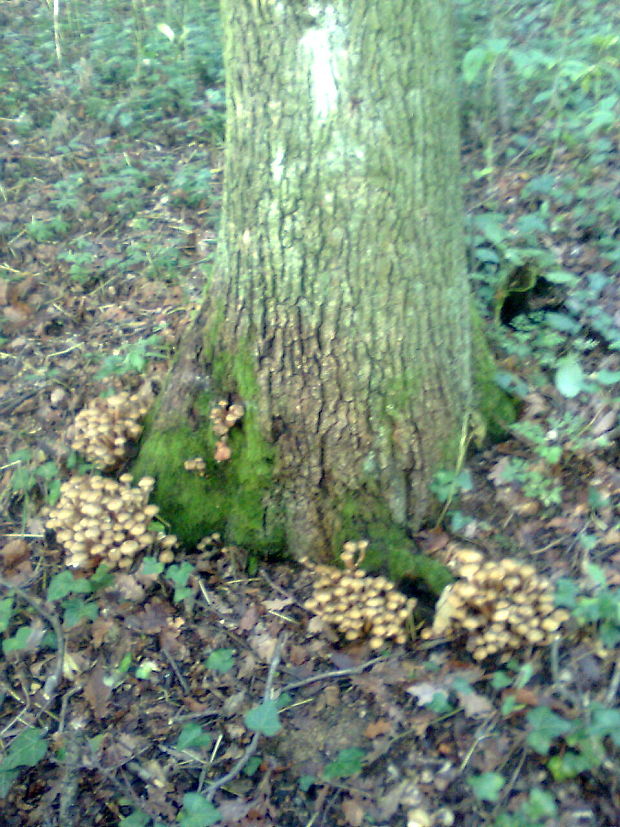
(338, 312)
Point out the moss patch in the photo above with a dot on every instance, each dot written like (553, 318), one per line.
(235, 498)
(390, 549)
(494, 406)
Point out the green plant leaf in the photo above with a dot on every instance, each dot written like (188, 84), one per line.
(568, 765)
(180, 574)
(22, 639)
(26, 750)
(561, 277)
(152, 566)
(76, 609)
(101, 578)
(487, 786)
(596, 574)
(221, 660)
(540, 805)
(252, 765)
(7, 780)
(135, 819)
(566, 592)
(197, 811)
(305, 782)
(607, 377)
(65, 583)
(501, 680)
(569, 377)
(348, 762)
(264, 718)
(473, 62)
(546, 727)
(192, 736)
(6, 612)
(606, 722)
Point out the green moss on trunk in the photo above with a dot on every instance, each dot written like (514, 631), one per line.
(495, 409)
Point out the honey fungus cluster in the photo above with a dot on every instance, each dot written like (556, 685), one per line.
(358, 605)
(499, 607)
(99, 520)
(103, 430)
(223, 418)
(197, 466)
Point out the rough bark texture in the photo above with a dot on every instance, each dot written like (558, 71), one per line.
(338, 311)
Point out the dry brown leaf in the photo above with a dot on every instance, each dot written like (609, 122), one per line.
(475, 705)
(99, 630)
(14, 552)
(129, 588)
(249, 619)
(263, 644)
(17, 313)
(96, 693)
(278, 604)
(380, 727)
(353, 811)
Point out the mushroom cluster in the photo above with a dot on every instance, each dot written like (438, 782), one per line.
(100, 520)
(102, 430)
(357, 604)
(499, 607)
(197, 465)
(223, 418)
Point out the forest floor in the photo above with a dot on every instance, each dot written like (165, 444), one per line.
(104, 241)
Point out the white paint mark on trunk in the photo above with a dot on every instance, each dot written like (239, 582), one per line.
(322, 51)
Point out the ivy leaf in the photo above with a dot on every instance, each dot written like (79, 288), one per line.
(221, 660)
(65, 583)
(348, 762)
(101, 578)
(24, 638)
(606, 722)
(180, 574)
(27, 749)
(487, 786)
(152, 566)
(264, 718)
(566, 591)
(569, 377)
(546, 726)
(197, 811)
(568, 765)
(192, 736)
(540, 805)
(76, 610)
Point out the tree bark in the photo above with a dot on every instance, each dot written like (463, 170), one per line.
(338, 312)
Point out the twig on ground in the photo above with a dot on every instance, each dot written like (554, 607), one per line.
(280, 589)
(612, 689)
(335, 673)
(176, 671)
(251, 749)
